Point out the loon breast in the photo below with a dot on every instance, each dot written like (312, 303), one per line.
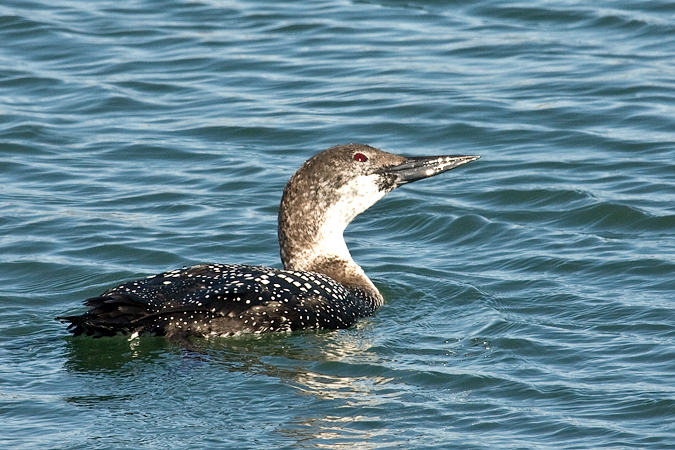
(320, 287)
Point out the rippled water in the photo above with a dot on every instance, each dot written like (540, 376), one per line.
(530, 295)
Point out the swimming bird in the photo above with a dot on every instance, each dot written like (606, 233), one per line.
(320, 287)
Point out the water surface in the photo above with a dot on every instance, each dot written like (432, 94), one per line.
(530, 294)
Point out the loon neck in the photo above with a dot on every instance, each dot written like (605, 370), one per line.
(314, 246)
(315, 209)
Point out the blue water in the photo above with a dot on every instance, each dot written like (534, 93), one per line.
(530, 294)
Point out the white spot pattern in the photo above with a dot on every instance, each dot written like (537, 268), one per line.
(218, 299)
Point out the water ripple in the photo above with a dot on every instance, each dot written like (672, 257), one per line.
(529, 294)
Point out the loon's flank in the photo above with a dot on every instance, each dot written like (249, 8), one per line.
(321, 287)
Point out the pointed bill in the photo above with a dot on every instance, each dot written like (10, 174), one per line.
(417, 168)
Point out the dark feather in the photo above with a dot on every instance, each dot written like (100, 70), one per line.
(220, 300)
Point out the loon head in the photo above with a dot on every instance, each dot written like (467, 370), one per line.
(329, 191)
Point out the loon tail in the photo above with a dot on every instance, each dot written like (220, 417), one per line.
(108, 315)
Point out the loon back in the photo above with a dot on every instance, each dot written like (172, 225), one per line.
(218, 299)
(321, 287)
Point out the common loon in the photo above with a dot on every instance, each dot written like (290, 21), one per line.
(321, 287)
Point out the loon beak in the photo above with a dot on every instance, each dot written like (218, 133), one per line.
(418, 167)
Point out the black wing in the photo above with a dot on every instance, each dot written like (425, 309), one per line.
(218, 299)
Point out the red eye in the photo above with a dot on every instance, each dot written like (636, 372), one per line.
(360, 157)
